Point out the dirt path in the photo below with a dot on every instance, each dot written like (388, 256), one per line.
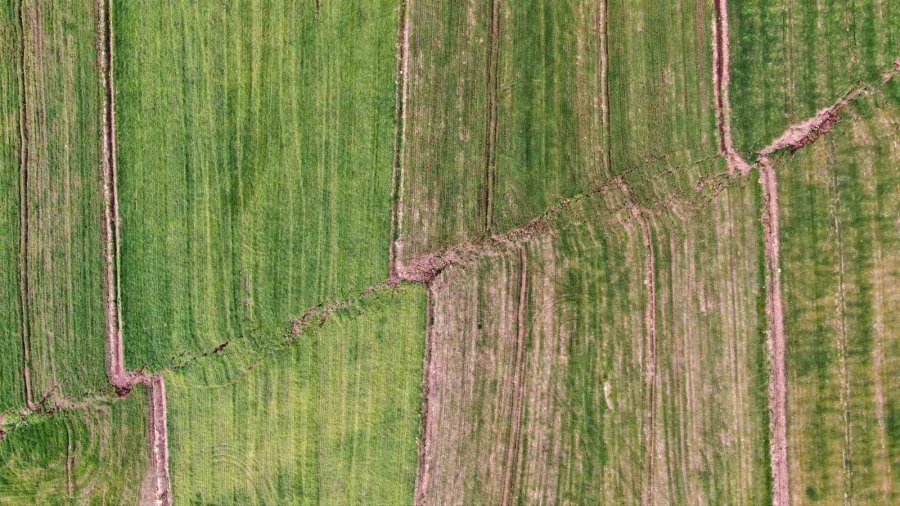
(159, 493)
(777, 338)
(122, 380)
(115, 357)
(722, 87)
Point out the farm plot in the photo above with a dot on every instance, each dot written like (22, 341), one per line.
(503, 116)
(575, 367)
(11, 378)
(661, 97)
(790, 59)
(840, 241)
(511, 108)
(256, 144)
(96, 454)
(56, 193)
(332, 418)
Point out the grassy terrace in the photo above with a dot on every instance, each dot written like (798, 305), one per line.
(839, 202)
(254, 165)
(11, 384)
(332, 418)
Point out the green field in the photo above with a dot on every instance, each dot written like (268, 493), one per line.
(52, 204)
(93, 455)
(254, 165)
(839, 202)
(333, 418)
(430, 252)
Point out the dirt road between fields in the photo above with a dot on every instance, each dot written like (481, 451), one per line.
(777, 338)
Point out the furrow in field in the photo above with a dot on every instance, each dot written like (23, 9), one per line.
(493, 78)
(650, 364)
(24, 290)
(722, 87)
(777, 338)
(602, 17)
(399, 135)
(160, 493)
(841, 333)
(115, 354)
(518, 395)
(429, 381)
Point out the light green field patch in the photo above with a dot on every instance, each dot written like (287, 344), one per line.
(91, 455)
(535, 384)
(333, 418)
(63, 248)
(256, 143)
(839, 209)
(11, 384)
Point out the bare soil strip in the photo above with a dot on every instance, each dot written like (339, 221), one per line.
(512, 456)
(722, 87)
(399, 136)
(423, 474)
(603, 69)
(24, 288)
(122, 380)
(777, 338)
(493, 110)
(159, 444)
(115, 357)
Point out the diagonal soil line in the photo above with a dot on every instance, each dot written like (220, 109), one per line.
(423, 473)
(806, 132)
(492, 120)
(512, 456)
(722, 87)
(777, 338)
(399, 136)
(24, 288)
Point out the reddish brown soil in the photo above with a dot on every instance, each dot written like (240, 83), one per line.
(777, 338)
(721, 89)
